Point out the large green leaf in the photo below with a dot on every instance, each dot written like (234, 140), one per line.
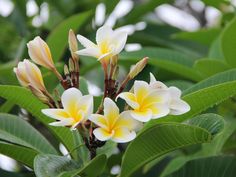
(228, 43)
(208, 149)
(59, 166)
(219, 166)
(46, 165)
(216, 66)
(158, 140)
(217, 79)
(167, 59)
(57, 40)
(93, 169)
(20, 153)
(15, 130)
(202, 36)
(25, 99)
(213, 123)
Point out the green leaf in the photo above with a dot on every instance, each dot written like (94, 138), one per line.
(167, 59)
(213, 123)
(25, 99)
(141, 9)
(20, 153)
(46, 165)
(216, 66)
(59, 166)
(181, 84)
(6, 106)
(202, 36)
(217, 79)
(215, 50)
(228, 43)
(93, 169)
(7, 75)
(158, 140)
(208, 149)
(57, 39)
(219, 166)
(15, 130)
(81, 149)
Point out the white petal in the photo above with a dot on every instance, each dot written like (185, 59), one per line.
(129, 98)
(123, 135)
(159, 110)
(178, 107)
(85, 42)
(152, 78)
(126, 121)
(119, 40)
(64, 122)
(141, 90)
(86, 104)
(99, 120)
(143, 116)
(156, 96)
(105, 56)
(104, 33)
(58, 114)
(111, 111)
(102, 135)
(93, 52)
(174, 92)
(158, 85)
(70, 99)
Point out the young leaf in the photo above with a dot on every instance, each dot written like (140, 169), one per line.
(158, 140)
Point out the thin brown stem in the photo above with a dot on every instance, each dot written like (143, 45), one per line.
(123, 85)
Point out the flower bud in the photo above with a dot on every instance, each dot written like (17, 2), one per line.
(40, 53)
(39, 95)
(29, 74)
(71, 65)
(73, 45)
(138, 67)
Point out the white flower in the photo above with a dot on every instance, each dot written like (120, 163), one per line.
(176, 104)
(109, 43)
(76, 108)
(113, 125)
(146, 103)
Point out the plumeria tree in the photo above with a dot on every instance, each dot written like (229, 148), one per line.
(166, 109)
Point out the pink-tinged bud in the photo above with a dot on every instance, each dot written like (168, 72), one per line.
(40, 53)
(138, 67)
(29, 74)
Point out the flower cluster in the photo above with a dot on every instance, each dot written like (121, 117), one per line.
(145, 101)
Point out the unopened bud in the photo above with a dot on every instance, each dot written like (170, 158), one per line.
(39, 94)
(114, 60)
(138, 67)
(40, 53)
(66, 70)
(71, 65)
(73, 45)
(115, 73)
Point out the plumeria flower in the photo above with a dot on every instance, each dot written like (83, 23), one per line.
(176, 104)
(146, 103)
(40, 53)
(76, 109)
(109, 43)
(28, 73)
(113, 125)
